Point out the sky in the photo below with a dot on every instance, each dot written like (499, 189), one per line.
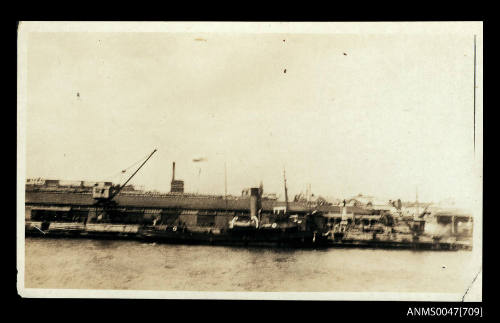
(382, 115)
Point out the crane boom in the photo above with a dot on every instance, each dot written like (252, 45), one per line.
(122, 186)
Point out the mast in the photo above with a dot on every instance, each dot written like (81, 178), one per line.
(308, 196)
(225, 183)
(416, 199)
(286, 191)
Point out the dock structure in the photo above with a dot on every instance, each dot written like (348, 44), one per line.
(51, 210)
(455, 220)
(68, 205)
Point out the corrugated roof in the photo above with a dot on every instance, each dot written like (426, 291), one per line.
(176, 201)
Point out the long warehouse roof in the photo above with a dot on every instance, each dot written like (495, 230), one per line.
(175, 201)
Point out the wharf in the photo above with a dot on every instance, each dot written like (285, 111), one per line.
(391, 244)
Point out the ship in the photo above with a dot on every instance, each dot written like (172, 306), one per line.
(104, 209)
(82, 209)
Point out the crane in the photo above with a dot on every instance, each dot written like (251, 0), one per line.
(104, 195)
(128, 180)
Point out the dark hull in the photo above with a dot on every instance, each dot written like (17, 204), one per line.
(239, 237)
(265, 238)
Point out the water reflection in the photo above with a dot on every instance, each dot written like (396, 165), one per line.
(108, 264)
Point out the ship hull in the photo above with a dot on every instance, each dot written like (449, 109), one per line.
(250, 237)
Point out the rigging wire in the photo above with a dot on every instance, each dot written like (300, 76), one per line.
(123, 171)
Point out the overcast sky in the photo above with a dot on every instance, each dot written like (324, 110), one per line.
(348, 114)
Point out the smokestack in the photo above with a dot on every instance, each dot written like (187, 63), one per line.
(254, 201)
(173, 171)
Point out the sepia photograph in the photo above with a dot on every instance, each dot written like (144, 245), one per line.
(250, 160)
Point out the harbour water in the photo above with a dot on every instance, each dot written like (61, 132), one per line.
(108, 264)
